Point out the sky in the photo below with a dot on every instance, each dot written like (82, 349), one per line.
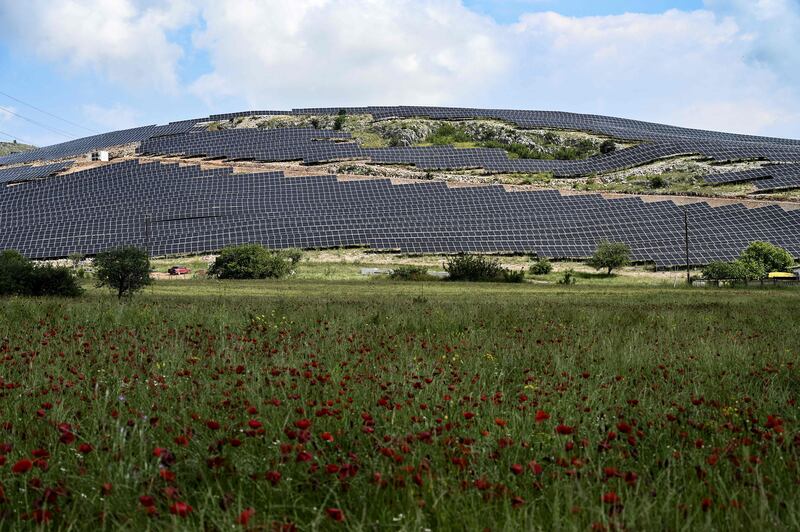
(70, 68)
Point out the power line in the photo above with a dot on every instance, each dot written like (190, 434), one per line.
(32, 121)
(9, 135)
(48, 113)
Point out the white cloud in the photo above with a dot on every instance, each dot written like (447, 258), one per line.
(734, 65)
(111, 118)
(684, 68)
(125, 40)
(335, 52)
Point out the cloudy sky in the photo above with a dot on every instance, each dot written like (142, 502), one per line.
(71, 67)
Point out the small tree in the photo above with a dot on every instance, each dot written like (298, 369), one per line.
(610, 255)
(250, 261)
(608, 146)
(769, 257)
(124, 269)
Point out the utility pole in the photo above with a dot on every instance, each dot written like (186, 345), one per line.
(686, 241)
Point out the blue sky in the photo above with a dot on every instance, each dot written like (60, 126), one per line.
(110, 64)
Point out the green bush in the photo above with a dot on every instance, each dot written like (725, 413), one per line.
(18, 276)
(448, 134)
(540, 267)
(15, 272)
(738, 270)
(53, 281)
(294, 255)
(513, 276)
(608, 146)
(124, 269)
(609, 256)
(250, 261)
(658, 181)
(411, 273)
(755, 262)
(568, 278)
(770, 257)
(469, 267)
(340, 120)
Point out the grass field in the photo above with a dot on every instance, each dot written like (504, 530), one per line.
(378, 405)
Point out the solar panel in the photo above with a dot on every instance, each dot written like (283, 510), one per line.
(19, 174)
(177, 209)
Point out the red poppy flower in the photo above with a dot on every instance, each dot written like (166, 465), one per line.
(564, 430)
(611, 497)
(245, 516)
(274, 477)
(302, 424)
(181, 509)
(541, 416)
(500, 422)
(85, 448)
(213, 425)
(326, 436)
(254, 424)
(516, 469)
(335, 513)
(146, 500)
(469, 415)
(23, 466)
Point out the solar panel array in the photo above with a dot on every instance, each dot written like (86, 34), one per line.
(766, 178)
(19, 174)
(173, 209)
(658, 142)
(80, 146)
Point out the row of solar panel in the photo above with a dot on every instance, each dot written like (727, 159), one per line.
(720, 146)
(301, 144)
(172, 209)
(19, 174)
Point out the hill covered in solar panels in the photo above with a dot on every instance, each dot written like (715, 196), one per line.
(232, 194)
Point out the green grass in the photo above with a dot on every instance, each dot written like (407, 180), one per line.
(435, 387)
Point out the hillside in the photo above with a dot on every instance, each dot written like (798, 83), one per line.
(7, 148)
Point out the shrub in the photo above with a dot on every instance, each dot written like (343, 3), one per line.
(340, 120)
(513, 276)
(448, 134)
(125, 269)
(18, 276)
(608, 146)
(469, 267)
(738, 270)
(411, 273)
(568, 278)
(76, 259)
(658, 181)
(53, 281)
(294, 255)
(770, 257)
(15, 272)
(610, 255)
(540, 267)
(250, 261)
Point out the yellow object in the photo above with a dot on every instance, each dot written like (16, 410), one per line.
(782, 275)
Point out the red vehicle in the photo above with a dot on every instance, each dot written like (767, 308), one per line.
(179, 270)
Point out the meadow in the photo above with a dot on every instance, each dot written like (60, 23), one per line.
(307, 404)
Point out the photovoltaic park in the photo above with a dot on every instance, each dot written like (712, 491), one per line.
(285, 179)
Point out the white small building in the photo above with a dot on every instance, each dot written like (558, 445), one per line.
(98, 156)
